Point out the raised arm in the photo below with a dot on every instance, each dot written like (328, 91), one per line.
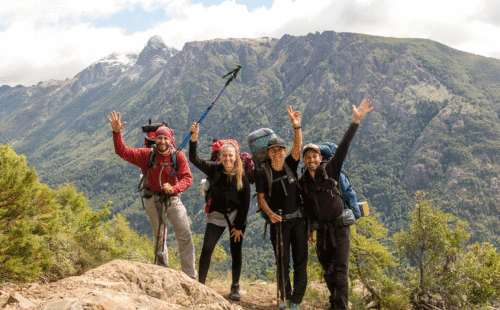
(297, 133)
(334, 165)
(361, 111)
(115, 122)
(193, 152)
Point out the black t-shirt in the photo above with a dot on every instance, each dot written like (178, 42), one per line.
(288, 203)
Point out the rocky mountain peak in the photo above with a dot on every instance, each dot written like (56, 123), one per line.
(156, 42)
(155, 55)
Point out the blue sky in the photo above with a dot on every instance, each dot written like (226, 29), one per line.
(56, 39)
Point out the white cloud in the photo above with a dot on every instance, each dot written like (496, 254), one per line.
(54, 39)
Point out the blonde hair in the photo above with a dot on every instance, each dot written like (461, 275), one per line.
(238, 164)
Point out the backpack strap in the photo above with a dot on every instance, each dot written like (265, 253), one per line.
(151, 161)
(211, 186)
(289, 175)
(208, 197)
(173, 158)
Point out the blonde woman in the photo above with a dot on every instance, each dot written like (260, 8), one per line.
(229, 192)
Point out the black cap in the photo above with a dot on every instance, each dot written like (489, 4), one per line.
(276, 141)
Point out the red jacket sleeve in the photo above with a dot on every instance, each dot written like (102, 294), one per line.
(138, 157)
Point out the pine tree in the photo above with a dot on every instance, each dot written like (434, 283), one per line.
(432, 244)
(372, 263)
(26, 206)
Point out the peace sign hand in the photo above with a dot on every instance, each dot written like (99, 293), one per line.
(294, 116)
(115, 122)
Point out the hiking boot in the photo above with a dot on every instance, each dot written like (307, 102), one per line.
(235, 292)
(284, 305)
(161, 259)
(294, 306)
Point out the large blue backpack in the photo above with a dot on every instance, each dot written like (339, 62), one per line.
(327, 150)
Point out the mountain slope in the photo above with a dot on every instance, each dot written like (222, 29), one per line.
(435, 125)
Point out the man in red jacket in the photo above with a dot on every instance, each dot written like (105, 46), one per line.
(163, 189)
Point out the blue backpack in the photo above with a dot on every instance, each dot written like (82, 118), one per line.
(327, 150)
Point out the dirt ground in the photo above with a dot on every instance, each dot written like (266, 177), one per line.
(261, 295)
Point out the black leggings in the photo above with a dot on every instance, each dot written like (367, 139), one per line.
(212, 236)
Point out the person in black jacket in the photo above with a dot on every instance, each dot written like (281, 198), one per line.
(229, 192)
(323, 202)
(277, 189)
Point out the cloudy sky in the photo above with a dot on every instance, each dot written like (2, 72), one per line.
(56, 39)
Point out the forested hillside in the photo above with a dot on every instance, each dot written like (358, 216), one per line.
(435, 125)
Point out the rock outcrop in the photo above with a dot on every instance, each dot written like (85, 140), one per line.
(117, 285)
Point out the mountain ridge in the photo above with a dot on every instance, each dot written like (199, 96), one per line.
(435, 125)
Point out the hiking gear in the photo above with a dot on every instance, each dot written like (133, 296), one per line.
(160, 209)
(347, 218)
(280, 251)
(294, 306)
(269, 174)
(322, 195)
(276, 141)
(161, 259)
(276, 252)
(290, 191)
(327, 150)
(283, 305)
(295, 247)
(152, 130)
(289, 175)
(311, 146)
(257, 142)
(231, 78)
(223, 193)
(176, 213)
(295, 215)
(248, 167)
(363, 207)
(335, 264)
(235, 292)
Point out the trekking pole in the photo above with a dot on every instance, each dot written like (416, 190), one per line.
(283, 294)
(157, 241)
(161, 222)
(277, 266)
(231, 78)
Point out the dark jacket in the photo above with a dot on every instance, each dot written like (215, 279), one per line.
(320, 201)
(224, 193)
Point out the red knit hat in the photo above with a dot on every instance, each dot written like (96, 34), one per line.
(166, 132)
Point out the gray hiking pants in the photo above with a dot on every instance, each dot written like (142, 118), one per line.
(176, 213)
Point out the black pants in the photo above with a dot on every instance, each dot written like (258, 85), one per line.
(335, 263)
(212, 236)
(294, 237)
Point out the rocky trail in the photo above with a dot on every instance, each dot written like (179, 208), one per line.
(123, 285)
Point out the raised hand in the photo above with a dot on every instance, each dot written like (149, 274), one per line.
(195, 130)
(362, 110)
(294, 116)
(115, 122)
